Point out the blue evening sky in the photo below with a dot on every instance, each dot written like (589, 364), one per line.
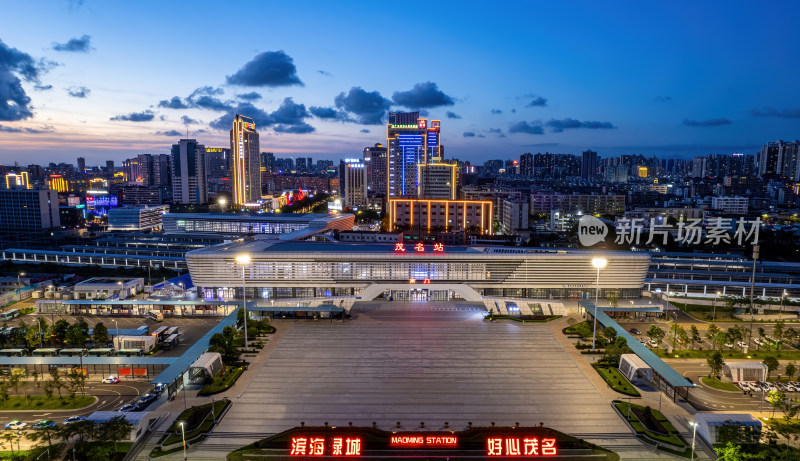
(665, 78)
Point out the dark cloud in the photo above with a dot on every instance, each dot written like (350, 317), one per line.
(495, 130)
(364, 130)
(172, 133)
(329, 113)
(288, 118)
(144, 116)
(188, 120)
(251, 96)
(496, 111)
(368, 107)
(788, 112)
(42, 87)
(78, 91)
(481, 136)
(469, 134)
(205, 90)
(76, 45)
(425, 94)
(324, 72)
(513, 111)
(11, 129)
(452, 115)
(709, 122)
(15, 104)
(538, 101)
(570, 123)
(210, 103)
(271, 68)
(174, 103)
(663, 98)
(525, 127)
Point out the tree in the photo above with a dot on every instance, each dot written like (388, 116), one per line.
(695, 335)
(114, 430)
(4, 386)
(613, 298)
(736, 335)
(8, 437)
(790, 335)
(570, 321)
(730, 301)
(761, 335)
(777, 333)
(49, 389)
(791, 369)
(776, 399)
(45, 433)
(610, 333)
(655, 333)
(15, 380)
(730, 452)
(682, 336)
(75, 335)
(60, 330)
(771, 363)
(76, 380)
(100, 334)
(723, 339)
(677, 332)
(711, 335)
(614, 350)
(715, 363)
(58, 383)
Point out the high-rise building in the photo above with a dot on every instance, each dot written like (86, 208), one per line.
(246, 161)
(769, 163)
(81, 165)
(410, 142)
(268, 162)
(355, 183)
(189, 180)
(28, 211)
(588, 164)
(300, 165)
(218, 162)
(375, 163)
(526, 164)
(57, 183)
(438, 180)
(109, 168)
(18, 180)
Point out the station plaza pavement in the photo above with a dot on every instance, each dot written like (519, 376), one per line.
(413, 363)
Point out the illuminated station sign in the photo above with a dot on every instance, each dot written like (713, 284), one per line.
(480, 443)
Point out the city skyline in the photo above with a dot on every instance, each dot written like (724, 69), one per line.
(88, 79)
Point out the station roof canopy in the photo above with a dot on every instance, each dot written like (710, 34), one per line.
(320, 308)
(89, 360)
(667, 373)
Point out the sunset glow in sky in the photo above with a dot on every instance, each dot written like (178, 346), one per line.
(111, 79)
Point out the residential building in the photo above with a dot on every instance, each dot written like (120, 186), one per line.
(514, 216)
(375, 162)
(588, 164)
(189, 180)
(733, 206)
(473, 216)
(586, 204)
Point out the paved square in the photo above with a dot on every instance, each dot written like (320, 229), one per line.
(413, 365)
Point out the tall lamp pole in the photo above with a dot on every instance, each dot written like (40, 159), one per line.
(694, 434)
(714, 307)
(244, 260)
(183, 437)
(783, 296)
(598, 263)
(752, 286)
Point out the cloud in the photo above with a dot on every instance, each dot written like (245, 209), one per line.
(15, 104)
(329, 113)
(270, 68)
(663, 98)
(513, 111)
(11, 129)
(496, 111)
(570, 123)
(364, 130)
(425, 94)
(42, 87)
(173, 103)
(251, 96)
(324, 72)
(495, 130)
(481, 136)
(452, 115)
(525, 127)
(188, 120)
(144, 116)
(288, 118)
(172, 133)
(788, 112)
(210, 103)
(469, 134)
(538, 101)
(208, 90)
(708, 122)
(78, 91)
(75, 45)
(368, 107)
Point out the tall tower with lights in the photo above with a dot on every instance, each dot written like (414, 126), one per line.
(246, 161)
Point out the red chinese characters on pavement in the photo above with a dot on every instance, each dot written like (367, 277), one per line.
(317, 446)
(520, 446)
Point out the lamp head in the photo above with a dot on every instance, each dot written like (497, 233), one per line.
(243, 259)
(599, 262)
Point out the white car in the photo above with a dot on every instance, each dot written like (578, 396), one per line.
(740, 344)
(16, 424)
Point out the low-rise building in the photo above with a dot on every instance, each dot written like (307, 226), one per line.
(139, 218)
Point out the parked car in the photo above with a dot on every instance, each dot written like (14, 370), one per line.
(634, 331)
(159, 388)
(741, 344)
(129, 407)
(44, 423)
(111, 380)
(16, 424)
(74, 419)
(789, 388)
(743, 385)
(147, 398)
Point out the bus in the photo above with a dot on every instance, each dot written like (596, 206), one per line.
(130, 352)
(159, 333)
(155, 315)
(8, 315)
(46, 352)
(171, 341)
(171, 331)
(13, 352)
(72, 352)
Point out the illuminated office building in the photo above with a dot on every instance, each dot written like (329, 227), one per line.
(57, 183)
(18, 180)
(189, 180)
(246, 161)
(474, 216)
(411, 141)
(355, 183)
(438, 180)
(375, 163)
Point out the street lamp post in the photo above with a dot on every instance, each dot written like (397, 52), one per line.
(118, 343)
(752, 287)
(694, 434)
(783, 296)
(598, 263)
(19, 287)
(183, 437)
(243, 260)
(714, 307)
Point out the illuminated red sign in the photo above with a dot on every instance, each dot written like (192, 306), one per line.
(399, 247)
(420, 247)
(417, 441)
(438, 247)
(322, 446)
(422, 124)
(520, 446)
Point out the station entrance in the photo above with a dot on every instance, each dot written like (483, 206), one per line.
(419, 295)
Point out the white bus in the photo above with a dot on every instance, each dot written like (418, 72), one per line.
(13, 313)
(155, 315)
